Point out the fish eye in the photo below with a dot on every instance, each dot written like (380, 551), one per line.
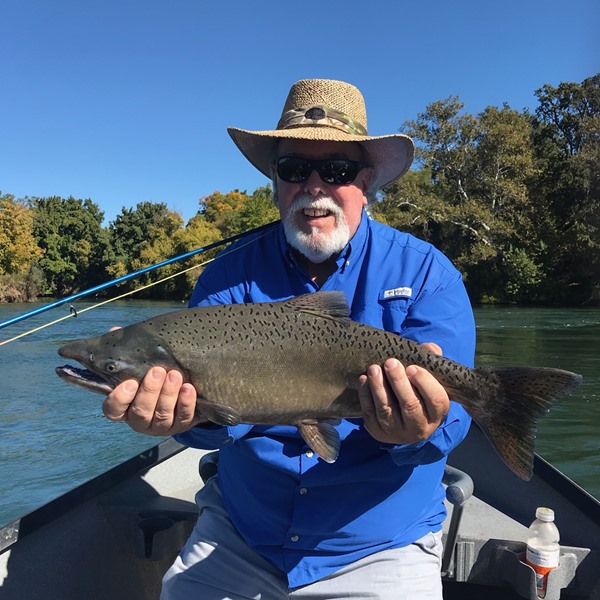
(111, 367)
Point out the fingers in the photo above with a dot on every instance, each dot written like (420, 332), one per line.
(401, 406)
(433, 347)
(380, 411)
(434, 396)
(161, 405)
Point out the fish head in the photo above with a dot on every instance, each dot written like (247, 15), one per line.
(116, 356)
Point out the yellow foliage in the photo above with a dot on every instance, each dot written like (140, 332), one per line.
(18, 248)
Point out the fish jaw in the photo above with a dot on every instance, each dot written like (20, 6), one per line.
(84, 378)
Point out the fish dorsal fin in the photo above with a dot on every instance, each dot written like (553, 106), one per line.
(331, 305)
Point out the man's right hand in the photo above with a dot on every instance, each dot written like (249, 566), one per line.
(161, 405)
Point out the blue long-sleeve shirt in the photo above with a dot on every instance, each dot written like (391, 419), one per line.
(308, 517)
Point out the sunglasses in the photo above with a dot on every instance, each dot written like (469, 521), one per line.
(338, 171)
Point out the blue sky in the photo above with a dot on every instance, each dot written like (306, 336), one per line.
(124, 101)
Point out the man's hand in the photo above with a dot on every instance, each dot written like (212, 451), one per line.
(402, 405)
(161, 405)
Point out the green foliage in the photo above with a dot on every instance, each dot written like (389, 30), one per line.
(566, 130)
(236, 211)
(197, 234)
(71, 236)
(512, 198)
(257, 210)
(222, 210)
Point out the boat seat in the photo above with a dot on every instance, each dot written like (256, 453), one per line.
(459, 488)
(208, 465)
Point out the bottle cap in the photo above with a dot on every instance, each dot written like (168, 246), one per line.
(544, 514)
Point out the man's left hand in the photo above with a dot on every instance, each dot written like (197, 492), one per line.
(402, 405)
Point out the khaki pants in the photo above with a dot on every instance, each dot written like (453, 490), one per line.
(217, 564)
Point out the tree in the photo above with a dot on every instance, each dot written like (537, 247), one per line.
(197, 234)
(18, 247)
(222, 210)
(140, 237)
(70, 233)
(257, 210)
(236, 212)
(445, 145)
(472, 199)
(567, 134)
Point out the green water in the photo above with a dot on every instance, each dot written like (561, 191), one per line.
(54, 437)
(569, 436)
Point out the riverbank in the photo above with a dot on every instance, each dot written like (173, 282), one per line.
(21, 288)
(13, 289)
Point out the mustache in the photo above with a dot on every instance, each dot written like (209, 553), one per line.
(306, 201)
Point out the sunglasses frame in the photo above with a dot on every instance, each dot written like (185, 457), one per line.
(320, 166)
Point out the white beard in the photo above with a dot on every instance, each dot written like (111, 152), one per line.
(316, 246)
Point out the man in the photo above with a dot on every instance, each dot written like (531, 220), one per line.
(278, 522)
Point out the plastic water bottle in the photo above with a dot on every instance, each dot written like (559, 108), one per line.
(543, 550)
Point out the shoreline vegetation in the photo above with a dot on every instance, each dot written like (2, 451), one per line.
(511, 197)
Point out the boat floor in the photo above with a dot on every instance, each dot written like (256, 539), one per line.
(117, 543)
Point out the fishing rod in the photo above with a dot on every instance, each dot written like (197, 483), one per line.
(129, 276)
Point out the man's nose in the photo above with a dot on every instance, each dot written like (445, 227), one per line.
(314, 185)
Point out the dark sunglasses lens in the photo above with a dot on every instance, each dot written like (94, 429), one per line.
(293, 170)
(339, 171)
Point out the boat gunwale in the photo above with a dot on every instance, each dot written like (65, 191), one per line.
(30, 522)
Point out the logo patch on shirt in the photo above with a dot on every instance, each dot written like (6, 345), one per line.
(399, 292)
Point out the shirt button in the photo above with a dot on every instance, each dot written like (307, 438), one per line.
(294, 538)
(309, 454)
(303, 491)
(228, 440)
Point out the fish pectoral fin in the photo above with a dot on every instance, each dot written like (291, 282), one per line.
(322, 437)
(220, 414)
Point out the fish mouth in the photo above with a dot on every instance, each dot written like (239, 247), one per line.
(85, 379)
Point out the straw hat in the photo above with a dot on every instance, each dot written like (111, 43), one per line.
(327, 110)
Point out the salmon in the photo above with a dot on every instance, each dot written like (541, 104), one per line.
(298, 362)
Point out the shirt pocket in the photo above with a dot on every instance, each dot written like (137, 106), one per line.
(394, 312)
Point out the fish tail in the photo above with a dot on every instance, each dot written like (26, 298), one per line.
(509, 417)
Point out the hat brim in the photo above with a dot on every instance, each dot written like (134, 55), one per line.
(389, 155)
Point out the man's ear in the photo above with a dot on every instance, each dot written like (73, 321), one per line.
(367, 176)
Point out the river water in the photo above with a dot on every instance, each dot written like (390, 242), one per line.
(54, 437)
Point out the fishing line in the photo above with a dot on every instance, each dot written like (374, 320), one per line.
(134, 274)
(73, 312)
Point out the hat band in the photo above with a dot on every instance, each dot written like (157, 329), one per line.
(320, 116)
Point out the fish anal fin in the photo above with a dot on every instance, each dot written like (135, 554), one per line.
(322, 437)
(333, 305)
(220, 414)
